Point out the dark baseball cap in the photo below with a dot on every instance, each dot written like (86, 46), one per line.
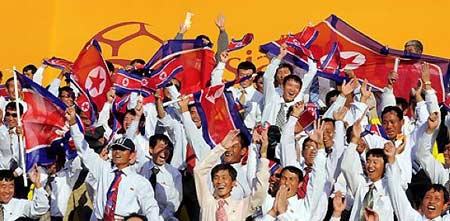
(123, 143)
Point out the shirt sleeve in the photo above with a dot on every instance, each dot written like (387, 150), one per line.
(54, 86)
(146, 199)
(287, 141)
(261, 185)
(39, 75)
(195, 137)
(431, 166)
(402, 208)
(353, 174)
(217, 74)
(316, 182)
(39, 205)
(222, 44)
(387, 98)
(201, 173)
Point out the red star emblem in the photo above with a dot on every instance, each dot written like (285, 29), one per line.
(349, 60)
(97, 80)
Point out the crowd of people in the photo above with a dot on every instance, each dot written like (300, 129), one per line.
(159, 167)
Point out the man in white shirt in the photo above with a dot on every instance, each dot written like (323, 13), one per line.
(12, 208)
(368, 191)
(276, 106)
(246, 94)
(114, 201)
(165, 179)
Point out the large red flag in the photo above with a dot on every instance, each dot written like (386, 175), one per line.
(91, 73)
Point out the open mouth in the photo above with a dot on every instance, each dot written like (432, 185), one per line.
(431, 207)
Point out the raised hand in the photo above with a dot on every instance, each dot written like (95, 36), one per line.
(392, 78)
(35, 176)
(298, 109)
(220, 22)
(317, 135)
(366, 91)
(283, 51)
(70, 115)
(229, 140)
(111, 95)
(348, 88)
(339, 204)
(357, 130)
(419, 90)
(282, 199)
(183, 28)
(184, 103)
(224, 56)
(433, 122)
(426, 72)
(390, 152)
(339, 115)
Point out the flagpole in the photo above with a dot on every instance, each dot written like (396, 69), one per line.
(397, 62)
(176, 100)
(19, 124)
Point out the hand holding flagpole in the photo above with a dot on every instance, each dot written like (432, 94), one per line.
(19, 124)
(397, 62)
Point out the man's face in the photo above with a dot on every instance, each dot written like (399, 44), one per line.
(66, 98)
(328, 134)
(6, 191)
(433, 204)
(160, 153)
(121, 157)
(85, 120)
(309, 153)
(447, 154)
(29, 74)
(290, 90)
(260, 85)
(274, 181)
(392, 124)
(374, 168)
(332, 100)
(223, 184)
(11, 90)
(243, 73)
(412, 49)
(291, 181)
(235, 152)
(281, 74)
(195, 117)
(127, 120)
(11, 118)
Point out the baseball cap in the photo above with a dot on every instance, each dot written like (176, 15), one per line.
(123, 143)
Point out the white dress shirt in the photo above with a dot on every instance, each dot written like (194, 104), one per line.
(235, 209)
(302, 209)
(359, 186)
(135, 194)
(272, 100)
(194, 137)
(16, 208)
(402, 207)
(168, 189)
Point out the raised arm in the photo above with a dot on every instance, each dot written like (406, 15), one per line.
(388, 97)
(222, 41)
(217, 73)
(287, 140)
(39, 205)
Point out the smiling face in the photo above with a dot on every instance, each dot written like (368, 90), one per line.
(235, 152)
(309, 152)
(374, 167)
(11, 118)
(223, 183)
(127, 120)
(433, 204)
(195, 116)
(328, 134)
(290, 90)
(121, 157)
(447, 154)
(392, 124)
(6, 191)
(281, 74)
(160, 153)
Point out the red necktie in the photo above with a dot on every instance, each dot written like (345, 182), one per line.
(190, 159)
(221, 214)
(301, 192)
(112, 197)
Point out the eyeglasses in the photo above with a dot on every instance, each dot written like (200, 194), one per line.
(7, 114)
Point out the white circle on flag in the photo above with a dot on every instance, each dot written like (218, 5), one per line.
(163, 75)
(144, 82)
(96, 81)
(125, 82)
(85, 106)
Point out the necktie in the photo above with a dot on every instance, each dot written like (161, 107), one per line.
(242, 98)
(221, 215)
(112, 197)
(367, 201)
(155, 171)
(1, 213)
(301, 192)
(281, 116)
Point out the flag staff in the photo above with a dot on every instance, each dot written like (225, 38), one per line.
(19, 124)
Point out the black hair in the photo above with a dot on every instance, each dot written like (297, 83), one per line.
(29, 67)
(12, 106)
(110, 66)
(136, 215)
(306, 141)
(12, 79)
(438, 188)
(377, 152)
(396, 109)
(259, 75)
(285, 65)
(293, 77)
(137, 60)
(224, 166)
(246, 65)
(6, 175)
(67, 89)
(402, 102)
(329, 120)
(199, 41)
(274, 136)
(153, 141)
(295, 170)
(331, 94)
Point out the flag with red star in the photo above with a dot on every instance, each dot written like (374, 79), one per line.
(367, 58)
(91, 73)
